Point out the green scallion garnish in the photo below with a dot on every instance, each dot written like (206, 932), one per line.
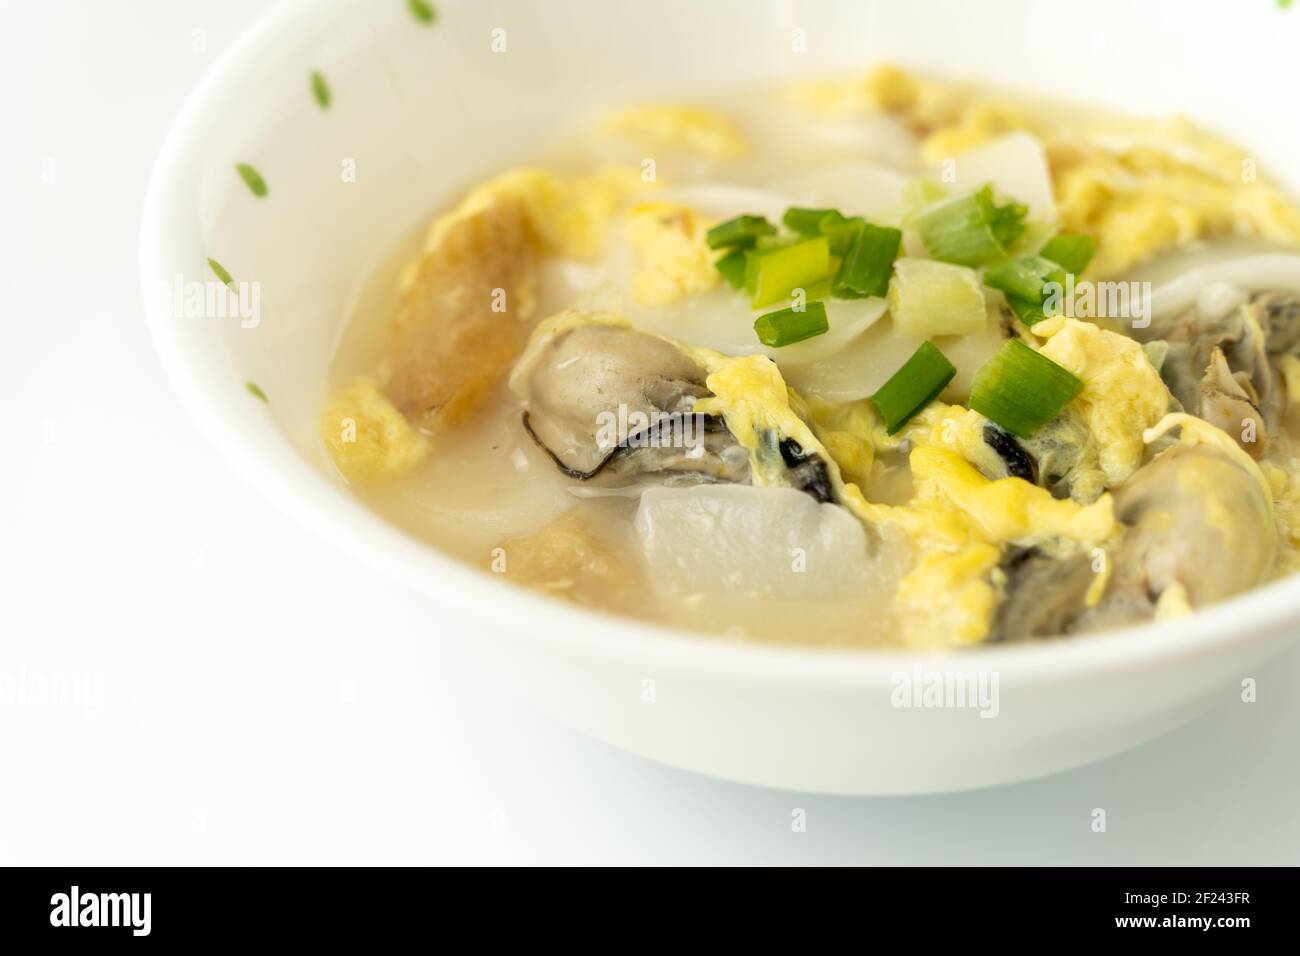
(806, 222)
(422, 10)
(841, 230)
(320, 89)
(256, 392)
(913, 386)
(1007, 221)
(741, 232)
(1025, 277)
(220, 272)
(252, 179)
(970, 229)
(787, 326)
(1071, 251)
(732, 267)
(773, 275)
(1027, 311)
(819, 290)
(868, 263)
(1022, 390)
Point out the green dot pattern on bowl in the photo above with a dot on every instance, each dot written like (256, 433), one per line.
(422, 11)
(252, 179)
(320, 89)
(220, 272)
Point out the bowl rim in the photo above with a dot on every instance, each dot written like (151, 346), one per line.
(242, 433)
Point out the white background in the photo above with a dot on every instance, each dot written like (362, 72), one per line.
(244, 693)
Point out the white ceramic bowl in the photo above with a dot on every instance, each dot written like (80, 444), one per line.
(426, 110)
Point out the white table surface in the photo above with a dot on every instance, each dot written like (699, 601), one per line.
(218, 712)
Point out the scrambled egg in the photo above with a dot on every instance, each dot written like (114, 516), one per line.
(1166, 185)
(1122, 395)
(367, 436)
(949, 117)
(566, 216)
(673, 126)
(845, 429)
(959, 522)
(564, 558)
(673, 259)
(754, 401)
(1141, 187)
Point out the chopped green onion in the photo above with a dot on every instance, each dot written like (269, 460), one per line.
(819, 290)
(732, 267)
(256, 392)
(742, 232)
(764, 245)
(220, 272)
(913, 386)
(970, 229)
(252, 179)
(936, 298)
(1022, 390)
(806, 222)
(768, 243)
(771, 276)
(840, 230)
(1025, 277)
(1071, 251)
(422, 10)
(787, 326)
(1031, 241)
(868, 263)
(920, 193)
(1027, 310)
(1008, 222)
(320, 89)
(1157, 350)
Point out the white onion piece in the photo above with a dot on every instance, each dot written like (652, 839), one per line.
(1217, 299)
(875, 136)
(847, 318)
(855, 189)
(720, 201)
(772, 542)
(858, 370)
(722, 320)
(1016, 165)
(967, 353)
(1260, 273)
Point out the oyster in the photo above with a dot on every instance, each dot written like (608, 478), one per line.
(616, 406)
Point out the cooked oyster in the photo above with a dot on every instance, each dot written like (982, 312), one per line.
(606, 401)
(612, 404)
(1044, 595)
(1218, 368)
(1225, 326)
(1183, 511)
(1187, 510)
